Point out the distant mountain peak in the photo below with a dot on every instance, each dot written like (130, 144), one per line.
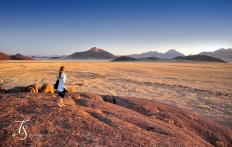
(93, 53)
(95, 49)
(18, 54)
(171, 51)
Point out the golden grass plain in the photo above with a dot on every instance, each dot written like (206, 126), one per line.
(202, 88)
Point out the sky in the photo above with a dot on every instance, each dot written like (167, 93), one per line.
(121, 27)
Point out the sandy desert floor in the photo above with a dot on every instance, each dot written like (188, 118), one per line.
(202, 88)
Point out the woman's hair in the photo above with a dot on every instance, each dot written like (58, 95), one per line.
(62, 68)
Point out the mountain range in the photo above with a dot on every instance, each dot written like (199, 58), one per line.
(18, 56)
(198, 58)
(96, 53)
(221, 53)
(172, 53)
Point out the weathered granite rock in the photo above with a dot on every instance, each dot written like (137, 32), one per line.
(88, 121)
(33, 88)
(208, 130)
(47, 88)
(3, 89)
(108, 98)
(78, 95)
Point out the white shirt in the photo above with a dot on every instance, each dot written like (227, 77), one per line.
(62, 81)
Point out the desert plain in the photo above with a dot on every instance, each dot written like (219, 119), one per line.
(199, 87)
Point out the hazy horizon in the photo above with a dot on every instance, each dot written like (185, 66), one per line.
(39, 27)
(38, 55)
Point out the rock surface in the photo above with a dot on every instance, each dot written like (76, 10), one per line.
(3, 89)
(47, 88)
(31, 88)
(87, 120)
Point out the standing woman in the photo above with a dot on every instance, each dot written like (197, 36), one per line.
(61, 86)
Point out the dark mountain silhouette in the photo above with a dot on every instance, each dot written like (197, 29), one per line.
(125, 58)
(93, 53)
(200, 58)
(221, 53)
(149, 59)
(128, 58)
(4, 56)
(55, 58)
(168, 55)
(20, 57)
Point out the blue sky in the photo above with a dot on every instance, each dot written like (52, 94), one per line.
(62, 27)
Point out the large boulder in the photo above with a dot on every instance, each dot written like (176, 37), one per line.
(47, 88)
(108, 98)
(32, 88)
(3, 89)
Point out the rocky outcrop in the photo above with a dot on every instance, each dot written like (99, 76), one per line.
(200, 58)
(93, 53)
(209, 131)
(4, 56)
(31, 88)
(47, 88)
(87, 120)
(3, 89)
